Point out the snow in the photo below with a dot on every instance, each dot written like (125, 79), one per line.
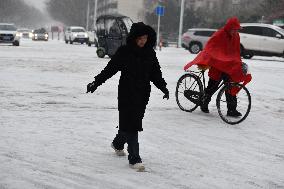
(54, 135)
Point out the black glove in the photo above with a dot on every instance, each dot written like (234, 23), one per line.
(91, 87)
(166, 94)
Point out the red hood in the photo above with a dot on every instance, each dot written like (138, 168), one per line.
(232, 24)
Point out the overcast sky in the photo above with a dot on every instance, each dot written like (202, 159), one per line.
(37, 3)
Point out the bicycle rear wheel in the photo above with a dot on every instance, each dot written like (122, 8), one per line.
(243, 103)
(189, 90)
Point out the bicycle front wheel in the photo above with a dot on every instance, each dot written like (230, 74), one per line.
(242, 101)
(189, 90)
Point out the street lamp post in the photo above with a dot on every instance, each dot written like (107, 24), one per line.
(158, 32)
(88, 13)
(159, 12)
(180, 22)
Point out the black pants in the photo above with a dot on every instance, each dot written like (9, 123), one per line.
(131, 138)
(212, 87)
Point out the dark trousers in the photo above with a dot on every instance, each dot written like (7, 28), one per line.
(131, 138)
(212, 87)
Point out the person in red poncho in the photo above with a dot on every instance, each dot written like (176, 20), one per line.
(222, 55)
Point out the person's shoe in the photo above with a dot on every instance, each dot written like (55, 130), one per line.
(137, 166)
(118, 152)
(233, 113)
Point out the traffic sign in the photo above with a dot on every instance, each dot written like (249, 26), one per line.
(160, 10)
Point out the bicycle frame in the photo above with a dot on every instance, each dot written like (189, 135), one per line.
(201, 76)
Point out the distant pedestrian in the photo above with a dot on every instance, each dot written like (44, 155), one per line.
(160, 43)
(139, 66)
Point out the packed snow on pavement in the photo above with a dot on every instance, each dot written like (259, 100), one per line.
(54, 135)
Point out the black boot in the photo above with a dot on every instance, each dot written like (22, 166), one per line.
(232, 106)
(204, 103)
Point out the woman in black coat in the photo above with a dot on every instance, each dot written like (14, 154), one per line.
(139, 65)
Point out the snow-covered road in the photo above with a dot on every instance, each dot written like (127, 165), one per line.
(54, 135)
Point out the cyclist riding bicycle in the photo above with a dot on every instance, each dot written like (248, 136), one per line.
(222, 56)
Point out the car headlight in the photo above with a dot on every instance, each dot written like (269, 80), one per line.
(46, 35)
(30, 35)
(18, 34)
(86, 35)
(35, 35)
(74, 35)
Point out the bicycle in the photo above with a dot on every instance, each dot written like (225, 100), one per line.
(190, 92)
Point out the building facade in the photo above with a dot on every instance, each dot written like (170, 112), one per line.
(195, 4)
(131, 8)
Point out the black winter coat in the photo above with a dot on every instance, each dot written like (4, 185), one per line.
(138, 67)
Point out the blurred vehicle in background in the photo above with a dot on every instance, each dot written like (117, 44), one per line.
(9, 34)
(165, 42)
(195, 39)
(261, 39)
(76, 34)
(93, 40)
(112, 31)
(169, 39)
(25, 33)
(40, 34)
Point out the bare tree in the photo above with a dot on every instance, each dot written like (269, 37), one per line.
(170, 20)
(18, 12)
(70, 12)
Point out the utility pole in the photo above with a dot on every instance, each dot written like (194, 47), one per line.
(88, 13)
(95, 12)
(180, 22)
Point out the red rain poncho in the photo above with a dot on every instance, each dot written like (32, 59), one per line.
(222, 54)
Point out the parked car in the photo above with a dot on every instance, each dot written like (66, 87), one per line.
(112, 31)
(25, 33)
(40, 34)
(261, 39)
(93, 40)
(8, 34)
(76, 34)
(195, 39)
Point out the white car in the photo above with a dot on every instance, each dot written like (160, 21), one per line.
(76, 34)
(9, 34)
(25, 33)
(261, 39)
(195, 39)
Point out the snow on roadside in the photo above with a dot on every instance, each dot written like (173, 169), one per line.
(53, 135)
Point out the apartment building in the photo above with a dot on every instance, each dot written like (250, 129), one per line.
(195, 4)
(131, 8)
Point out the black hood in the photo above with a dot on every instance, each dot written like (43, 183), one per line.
(139, 29)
